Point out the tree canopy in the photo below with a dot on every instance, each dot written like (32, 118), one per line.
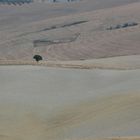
(37, 58)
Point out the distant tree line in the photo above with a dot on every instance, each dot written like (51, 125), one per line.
(15, 2)
(67, 0)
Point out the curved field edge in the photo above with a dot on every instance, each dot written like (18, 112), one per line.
(118, 63)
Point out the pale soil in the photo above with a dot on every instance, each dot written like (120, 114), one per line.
(126, 138)
(41, 103)
(93, 40)
(117, 63)
(60, 104)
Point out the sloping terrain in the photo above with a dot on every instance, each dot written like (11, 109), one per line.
(70, 37)
(60, 104)
(41, 103)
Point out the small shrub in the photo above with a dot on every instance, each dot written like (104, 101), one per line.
(37, 58)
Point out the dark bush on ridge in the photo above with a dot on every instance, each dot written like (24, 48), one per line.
(37, 58)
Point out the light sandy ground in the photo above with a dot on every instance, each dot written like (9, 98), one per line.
(93, 40)
(117, 63)
(60, 104)
(41, 103)
(125, 138)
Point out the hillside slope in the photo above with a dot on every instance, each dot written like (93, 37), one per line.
(59, 104)
(72, 37)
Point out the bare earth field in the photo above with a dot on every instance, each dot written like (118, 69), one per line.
(26, 31)
(99, 100)
(60, 104)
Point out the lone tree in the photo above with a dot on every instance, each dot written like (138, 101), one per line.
(37, 58)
